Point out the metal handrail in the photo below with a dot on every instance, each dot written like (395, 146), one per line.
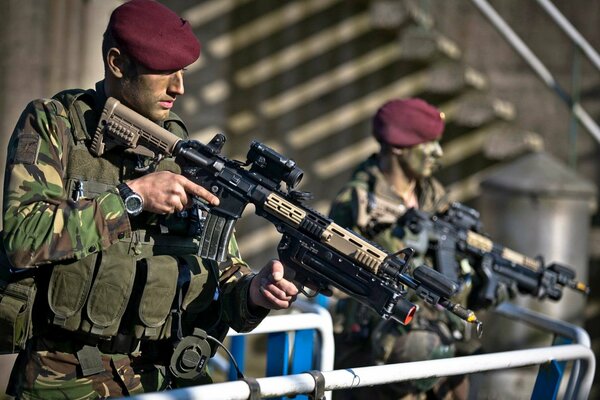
(561, 328)
(580, 381)
(570, 31)
(377, 375)
(515, 41)
(313, 317)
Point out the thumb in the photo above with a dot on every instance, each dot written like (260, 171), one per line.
(277, 271)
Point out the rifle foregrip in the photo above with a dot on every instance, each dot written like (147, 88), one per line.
(214, 241)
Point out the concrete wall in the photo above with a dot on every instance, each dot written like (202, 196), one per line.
(47, 46)
(513, 80)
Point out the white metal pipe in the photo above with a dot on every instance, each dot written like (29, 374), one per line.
(570, 30)
(545, 323)
(377, 375)
(314, 317)
(550, 325)
(513, 39)
(520, 47)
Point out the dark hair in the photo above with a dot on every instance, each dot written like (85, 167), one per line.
(108, 42)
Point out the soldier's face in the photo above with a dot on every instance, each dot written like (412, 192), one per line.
(152, 93)
(423, 159)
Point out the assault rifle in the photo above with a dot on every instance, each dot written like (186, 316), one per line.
(456, 233)
(316, 252)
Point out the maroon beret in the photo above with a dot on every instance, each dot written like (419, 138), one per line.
(154, 35)
(407, 122)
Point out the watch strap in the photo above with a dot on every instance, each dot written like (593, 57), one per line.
(128, 195)
(124, 190)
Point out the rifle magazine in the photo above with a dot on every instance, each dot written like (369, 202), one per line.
(214, 241)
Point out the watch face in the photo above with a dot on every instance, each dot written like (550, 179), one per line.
(133, 204)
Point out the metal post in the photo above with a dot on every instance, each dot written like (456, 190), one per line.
(313, 319)
(314, 316)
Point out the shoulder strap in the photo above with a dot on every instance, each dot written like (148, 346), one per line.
(80, 106)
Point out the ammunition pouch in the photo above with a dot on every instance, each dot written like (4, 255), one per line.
(16, 322)
(123, 291)
(17, 295)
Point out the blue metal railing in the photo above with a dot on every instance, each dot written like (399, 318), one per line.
(312, 347)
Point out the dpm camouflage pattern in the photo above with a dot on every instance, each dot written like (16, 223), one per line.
(44, 224)
(362, 338)
(55, 375)
(41, 223)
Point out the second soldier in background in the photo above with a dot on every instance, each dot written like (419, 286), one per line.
(399, 175)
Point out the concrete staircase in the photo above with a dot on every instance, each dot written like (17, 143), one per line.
(305, 77)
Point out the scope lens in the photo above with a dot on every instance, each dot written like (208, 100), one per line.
(294, 177)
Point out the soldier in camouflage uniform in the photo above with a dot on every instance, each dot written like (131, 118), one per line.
(399, 175)
(112, 240)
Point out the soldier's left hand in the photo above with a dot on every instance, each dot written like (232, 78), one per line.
(269, 289)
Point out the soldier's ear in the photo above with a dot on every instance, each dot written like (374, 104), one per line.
(396, 151)
(115, 62)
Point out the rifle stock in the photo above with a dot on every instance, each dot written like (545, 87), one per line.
(317, 253)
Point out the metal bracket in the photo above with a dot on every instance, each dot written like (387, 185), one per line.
(254, 387)
(319, 392)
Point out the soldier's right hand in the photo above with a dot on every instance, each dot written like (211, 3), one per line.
(165, 192)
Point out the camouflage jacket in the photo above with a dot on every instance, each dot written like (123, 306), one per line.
(46, 225)
(367, 177)
(349, 212)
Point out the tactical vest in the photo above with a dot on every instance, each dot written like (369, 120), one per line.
(356, 321)
(129, 288)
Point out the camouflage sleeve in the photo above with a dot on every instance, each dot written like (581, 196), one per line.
(343, 210)
(41, 223)
(235, 281)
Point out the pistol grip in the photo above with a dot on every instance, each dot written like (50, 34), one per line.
(214, 241)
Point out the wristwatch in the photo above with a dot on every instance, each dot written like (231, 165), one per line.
(133, 201)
